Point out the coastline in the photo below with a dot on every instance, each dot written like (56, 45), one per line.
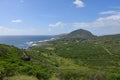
(24, 42)
(40, 43)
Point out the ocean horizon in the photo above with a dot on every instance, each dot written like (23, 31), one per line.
(23, 41)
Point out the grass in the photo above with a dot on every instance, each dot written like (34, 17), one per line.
(97, 59)
(21, 77)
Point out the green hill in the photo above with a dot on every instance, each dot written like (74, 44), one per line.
(81, 57)
(7, 52)
(94, 59)
(79, 34)
(13, 65)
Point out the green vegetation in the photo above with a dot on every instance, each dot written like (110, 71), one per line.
(21, 77)
(11, 64)
(65, 59)
(78, 59)
(79, 34)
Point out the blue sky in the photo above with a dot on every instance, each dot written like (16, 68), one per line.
(51, 17)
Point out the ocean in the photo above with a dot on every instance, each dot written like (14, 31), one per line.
(23, 41)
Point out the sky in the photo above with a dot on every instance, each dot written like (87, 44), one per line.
(53, 17)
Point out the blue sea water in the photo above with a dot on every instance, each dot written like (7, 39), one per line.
(23, 41)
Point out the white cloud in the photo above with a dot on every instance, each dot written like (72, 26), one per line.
(109, 21)
(79, 3)
(58, 24)
(110, 12)
(15, 31)
(80, 24)
(116, 7)
(7, 31)
(107, 25)
(21, 1)
(16, 21)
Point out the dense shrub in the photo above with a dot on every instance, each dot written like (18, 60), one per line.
(114, 76)
(71, 75)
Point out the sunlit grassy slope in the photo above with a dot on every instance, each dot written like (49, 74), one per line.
(81, 59)
(71, 59)
(21, 77)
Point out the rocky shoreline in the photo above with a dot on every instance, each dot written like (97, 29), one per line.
(41, 43)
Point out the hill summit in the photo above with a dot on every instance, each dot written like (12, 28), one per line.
(80, 33)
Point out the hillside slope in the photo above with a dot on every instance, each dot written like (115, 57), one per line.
(79, 34)
(87, 59)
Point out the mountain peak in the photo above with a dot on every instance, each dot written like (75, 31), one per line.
(80, 33)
